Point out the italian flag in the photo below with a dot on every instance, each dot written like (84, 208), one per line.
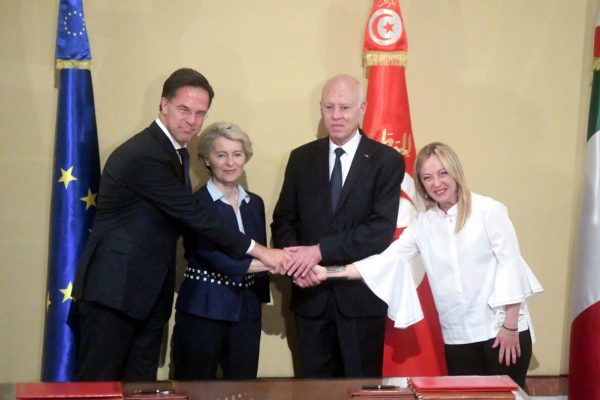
(584, 359)
(417, 350)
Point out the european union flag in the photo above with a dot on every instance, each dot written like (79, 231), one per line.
(75, 181)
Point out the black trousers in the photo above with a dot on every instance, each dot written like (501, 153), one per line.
(333, 345)
(200, 345)
(115, 347)
(481, 359)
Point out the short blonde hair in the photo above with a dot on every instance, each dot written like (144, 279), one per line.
(449, 160)
(227, 130)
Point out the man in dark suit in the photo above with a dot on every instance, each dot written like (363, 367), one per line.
(340, 323)
(125, 282)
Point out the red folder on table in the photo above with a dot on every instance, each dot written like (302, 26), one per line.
(69, 390)
(493, 383)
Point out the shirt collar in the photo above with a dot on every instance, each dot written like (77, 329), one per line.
(174, 142)
(349, 147)
(452, 211)
(216, 194)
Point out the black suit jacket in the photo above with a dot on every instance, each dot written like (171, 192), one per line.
(363, 223)
(142, 206)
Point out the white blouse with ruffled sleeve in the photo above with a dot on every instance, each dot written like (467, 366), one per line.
(473, 273)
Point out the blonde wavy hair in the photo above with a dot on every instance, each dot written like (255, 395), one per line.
(452, 165)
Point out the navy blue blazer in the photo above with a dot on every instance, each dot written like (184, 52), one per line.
(216, 285)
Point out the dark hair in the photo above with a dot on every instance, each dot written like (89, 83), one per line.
(186, 77)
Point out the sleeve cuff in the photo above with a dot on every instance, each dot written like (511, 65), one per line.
(251, 247)
(396, 286)
(514, 283)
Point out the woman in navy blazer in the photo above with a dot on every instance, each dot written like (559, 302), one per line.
(218, 310)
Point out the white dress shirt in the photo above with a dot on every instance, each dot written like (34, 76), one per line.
(163, 128)
(473, 273)
(350, 148)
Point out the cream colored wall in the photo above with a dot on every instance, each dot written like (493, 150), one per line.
(506, 82)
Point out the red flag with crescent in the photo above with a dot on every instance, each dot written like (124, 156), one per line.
(417, 350)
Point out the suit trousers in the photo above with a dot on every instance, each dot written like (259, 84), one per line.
(200, 345)
(481, 359)
(115, 347)
(333, 345)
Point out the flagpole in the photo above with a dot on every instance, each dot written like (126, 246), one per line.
(418, 349)
(75, 180)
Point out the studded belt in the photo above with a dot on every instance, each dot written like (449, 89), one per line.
(199, 274)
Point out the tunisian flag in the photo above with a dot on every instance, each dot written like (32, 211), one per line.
(584, 359)
(417, 350)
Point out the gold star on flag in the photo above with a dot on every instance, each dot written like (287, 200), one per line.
(67, 176)
(90, 199)
(67, 292)
(48, 302)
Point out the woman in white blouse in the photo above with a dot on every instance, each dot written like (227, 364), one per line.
(478, 277)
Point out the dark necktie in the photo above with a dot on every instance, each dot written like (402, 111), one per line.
(335, 183)
(185, 165)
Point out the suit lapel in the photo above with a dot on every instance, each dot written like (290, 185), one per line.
(322, 168)
(166, 145)
(249, 218)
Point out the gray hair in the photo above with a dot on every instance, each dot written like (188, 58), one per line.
(227, 130)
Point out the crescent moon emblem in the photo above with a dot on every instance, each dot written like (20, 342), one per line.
(382, 34)
(377, 24)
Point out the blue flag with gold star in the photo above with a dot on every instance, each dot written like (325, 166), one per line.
(75, 181)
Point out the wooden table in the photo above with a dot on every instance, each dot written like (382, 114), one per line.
(259, 389)
(276, 389)
(262, 389)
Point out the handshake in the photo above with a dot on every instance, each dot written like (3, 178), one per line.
(299, 262)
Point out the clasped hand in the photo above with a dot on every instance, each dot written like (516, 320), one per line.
(314, 277)
(302, 260)
(299, 262)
